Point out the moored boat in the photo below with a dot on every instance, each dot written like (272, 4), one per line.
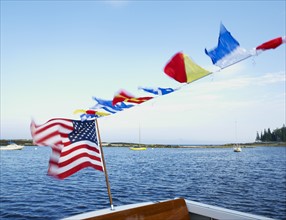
(237, 148)
(138, 148)
(12, 146)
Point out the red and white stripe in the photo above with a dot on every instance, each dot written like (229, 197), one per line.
(67, 158)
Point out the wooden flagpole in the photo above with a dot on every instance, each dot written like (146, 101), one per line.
(104, 167)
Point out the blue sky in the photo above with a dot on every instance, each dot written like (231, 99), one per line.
(57, 55)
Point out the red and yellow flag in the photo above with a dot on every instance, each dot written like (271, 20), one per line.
(123, 96)
(183, 69)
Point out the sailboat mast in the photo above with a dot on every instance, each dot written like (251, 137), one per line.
(139, 134)
(236, 132)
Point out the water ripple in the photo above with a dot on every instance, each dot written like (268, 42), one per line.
(252, 181)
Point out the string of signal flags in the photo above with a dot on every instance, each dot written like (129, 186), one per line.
(76, 144)
(184, 70)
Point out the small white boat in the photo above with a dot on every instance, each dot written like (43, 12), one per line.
(175, 209)
(12, 146)
(237, 148)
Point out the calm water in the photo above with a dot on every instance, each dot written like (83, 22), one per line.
(252, 181)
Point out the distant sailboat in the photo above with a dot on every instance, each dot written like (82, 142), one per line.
(139, 147)
(236, 147)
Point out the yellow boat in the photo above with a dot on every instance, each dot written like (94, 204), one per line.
(138, 148)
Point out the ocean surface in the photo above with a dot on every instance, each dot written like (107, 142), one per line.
(252, 181)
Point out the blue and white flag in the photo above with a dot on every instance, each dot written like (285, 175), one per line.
(84, 117)
(158, 90)
(107, 105)
(228, 50)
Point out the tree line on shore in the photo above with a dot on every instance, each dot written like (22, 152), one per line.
(278, 134)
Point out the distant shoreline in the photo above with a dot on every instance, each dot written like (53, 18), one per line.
(28, 142)
(230, 145)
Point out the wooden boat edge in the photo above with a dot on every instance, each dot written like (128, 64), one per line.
(197, 211)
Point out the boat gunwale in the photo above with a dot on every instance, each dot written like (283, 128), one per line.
(194, 209)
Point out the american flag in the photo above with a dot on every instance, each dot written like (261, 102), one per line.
(74, 145)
